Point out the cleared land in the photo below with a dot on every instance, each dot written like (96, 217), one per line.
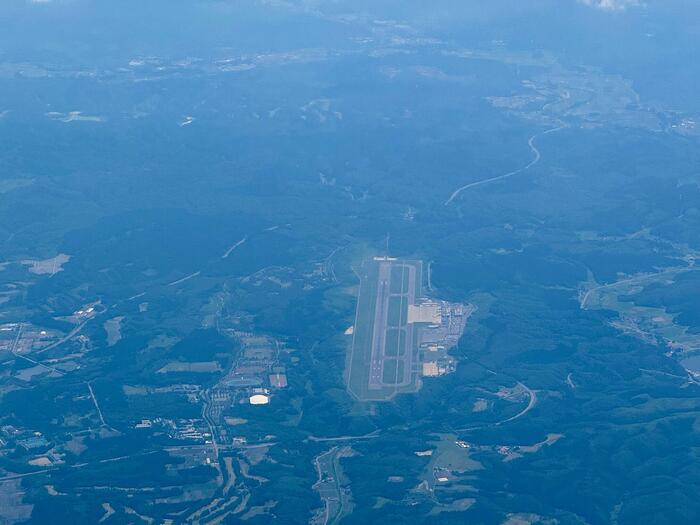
(383, 358)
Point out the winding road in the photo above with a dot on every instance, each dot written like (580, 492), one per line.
(531, 143)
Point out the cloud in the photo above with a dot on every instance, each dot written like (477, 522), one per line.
(610, 5)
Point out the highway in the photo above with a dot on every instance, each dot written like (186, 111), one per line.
(535, 160)
(94, 400)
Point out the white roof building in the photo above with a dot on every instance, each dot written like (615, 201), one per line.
(259, 399)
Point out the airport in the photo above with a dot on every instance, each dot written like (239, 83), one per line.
(396, 329)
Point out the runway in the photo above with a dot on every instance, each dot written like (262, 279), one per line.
(392, 369)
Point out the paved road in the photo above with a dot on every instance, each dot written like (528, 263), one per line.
(535, 160)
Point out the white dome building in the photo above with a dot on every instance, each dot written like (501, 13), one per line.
(259, 399)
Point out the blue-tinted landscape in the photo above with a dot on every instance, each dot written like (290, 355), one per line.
(338, 262)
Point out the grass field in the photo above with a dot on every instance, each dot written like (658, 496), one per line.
(393, 356)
